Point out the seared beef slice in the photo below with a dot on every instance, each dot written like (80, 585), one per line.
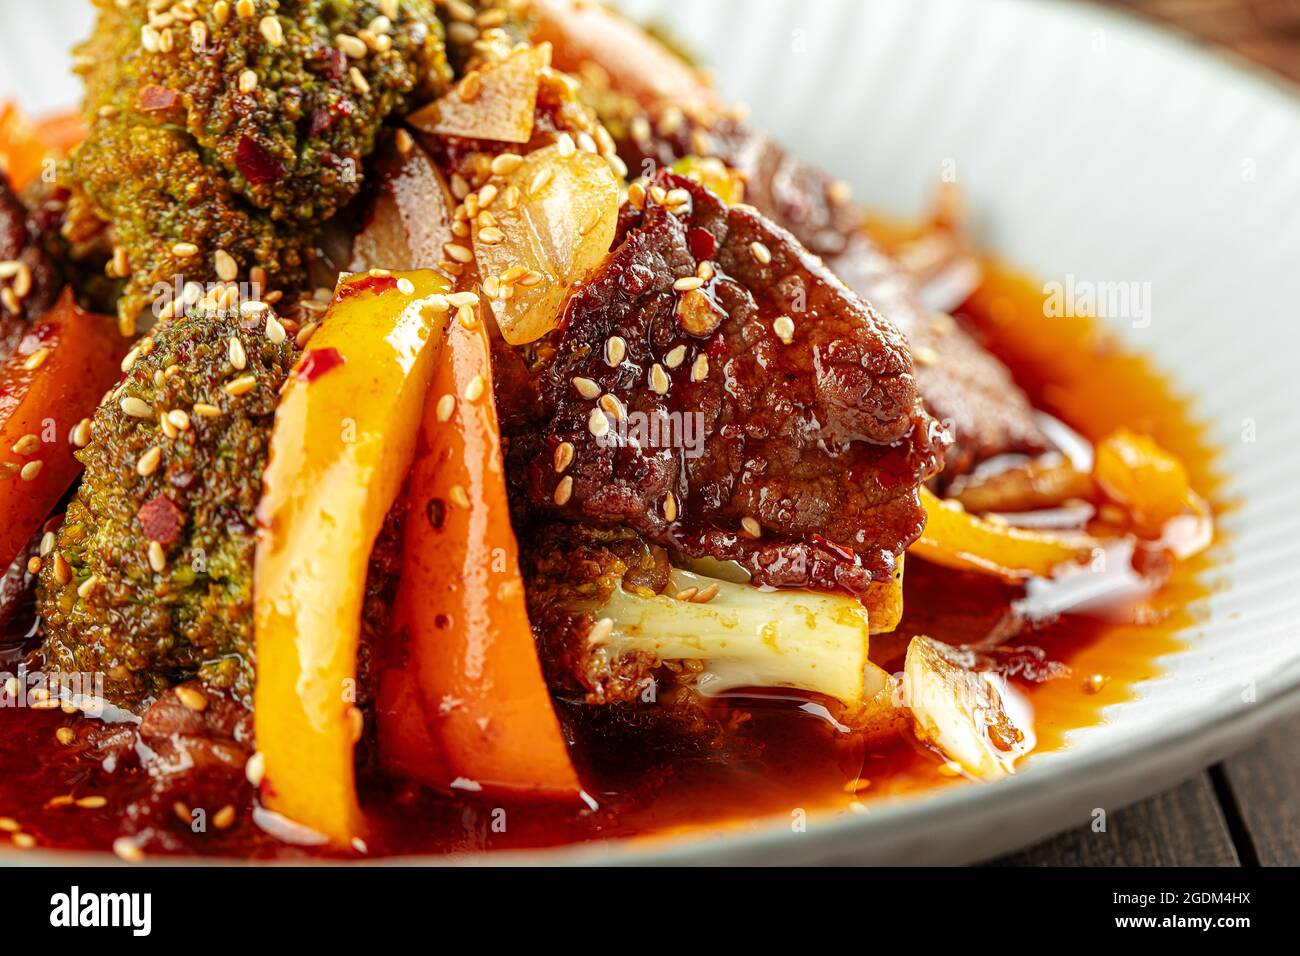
(790, 434)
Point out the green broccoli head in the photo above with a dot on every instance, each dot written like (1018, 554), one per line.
(150, 576)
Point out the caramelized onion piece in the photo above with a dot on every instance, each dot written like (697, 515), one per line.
(554, 236)
(495, 102)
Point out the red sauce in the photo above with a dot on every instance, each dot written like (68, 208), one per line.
(780, 762)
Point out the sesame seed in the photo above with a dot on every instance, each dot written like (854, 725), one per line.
(487, 195)
(670, 507)
(405, 143)
(92, 802)
(565, 145)
(247, 82)
(615, 350)
(192, 698)
(446, 405)
(27, 445)
(157, 557)
(47, 543)
(491, 236)
(255, 768)
(62, 570)
(531, 278)
(685, 594)
(198, 35)
(275, 333)
(33, 565)
(600, 631)
(136, 408)
(924, 356)
(658, 195)
(612, 405)
(840, 191)
(224, 263)
(675, 356)
(23, 841)
(36, 359)
(148, 462)
(30, 470)
(204, 410)
(597, 423)
(86, 586)
(149, 39)
(224, 817)
(245, 9)
(751, 527)
(700, 368)
(127, 849)
(405, 286)
(591, 222)
(467, 317)
(239, 386)
(564, 490)
(221, 12)
(783, 326)
(458, 299)
(238, 357)
(180, 418)
(586, 387)
(271, 31)
(458, 496)
(705, 595)
(359, 81)
(705, 271)
(950, 769)
(474, 390)
(658, 379)
(688, 283)
(504, 164)
(183, 250)
(540, 180)
(305, 333)
(563, 456)
(354, 47)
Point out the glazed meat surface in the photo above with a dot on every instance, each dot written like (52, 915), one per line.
(36, 288)
(762, 413)
(961, 383)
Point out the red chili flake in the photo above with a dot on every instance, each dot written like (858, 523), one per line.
(160, 519)
(368, 283)
(157, 99)
(323, 118)
(838, 550)
(258, 166)
(316, 362)
(701, 242)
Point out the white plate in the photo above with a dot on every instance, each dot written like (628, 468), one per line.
(1091, 145)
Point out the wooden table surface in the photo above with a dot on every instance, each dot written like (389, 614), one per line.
(1242, 812)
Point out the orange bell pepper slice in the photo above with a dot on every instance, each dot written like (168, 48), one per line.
(345, 432)
(55, 378)
(460, 603)
(26, 144)
(957, 539)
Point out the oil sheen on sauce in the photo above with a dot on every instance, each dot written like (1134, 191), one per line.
(780, 758)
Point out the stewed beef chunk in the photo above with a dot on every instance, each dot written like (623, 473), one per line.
(718, 390)
(964, 386)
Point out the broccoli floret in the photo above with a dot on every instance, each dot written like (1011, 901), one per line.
(150, 576)
(238, 134)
